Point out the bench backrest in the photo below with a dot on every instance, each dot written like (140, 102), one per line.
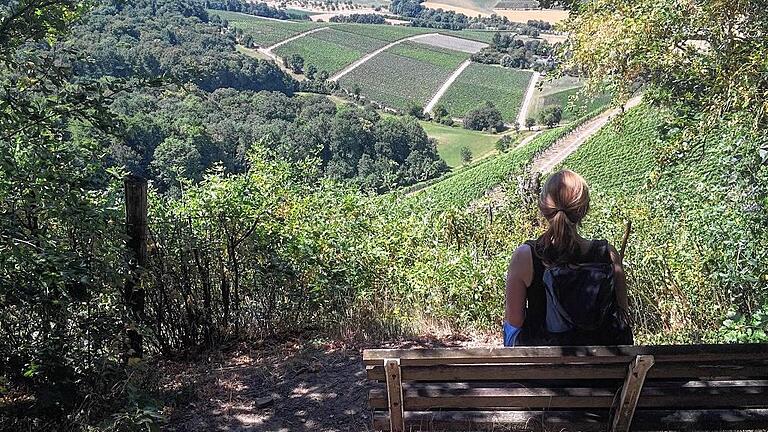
(576, 388)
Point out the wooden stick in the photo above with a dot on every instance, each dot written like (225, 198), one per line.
(136, 227)
(627, 230)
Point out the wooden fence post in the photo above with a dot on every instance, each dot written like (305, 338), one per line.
(136, 227)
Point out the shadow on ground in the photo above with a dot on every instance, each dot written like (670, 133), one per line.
(311, 387)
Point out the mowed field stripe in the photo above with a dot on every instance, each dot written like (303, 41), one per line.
(443, 88)
(372, 54)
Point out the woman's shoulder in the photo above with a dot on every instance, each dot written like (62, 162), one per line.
(526, 255)
(524, 250)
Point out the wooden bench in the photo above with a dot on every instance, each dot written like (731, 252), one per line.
(700, 387)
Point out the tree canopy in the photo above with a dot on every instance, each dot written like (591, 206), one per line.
(484, 117)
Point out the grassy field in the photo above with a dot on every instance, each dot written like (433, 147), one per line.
(301, 12)
(480, 82)
(331, 49)
(265, 32)
(407, 73)
(450, 140)
(619, 157)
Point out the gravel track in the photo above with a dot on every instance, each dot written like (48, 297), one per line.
(441, 91)
(528, 98)
(571, 142)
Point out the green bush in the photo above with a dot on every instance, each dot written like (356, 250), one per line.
(484, 117)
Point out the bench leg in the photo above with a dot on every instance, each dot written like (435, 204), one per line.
(395, 395)
(630, 393)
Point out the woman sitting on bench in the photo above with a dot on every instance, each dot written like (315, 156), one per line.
(563, 289)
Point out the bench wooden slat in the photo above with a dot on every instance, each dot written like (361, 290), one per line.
(577, 420)
(555, 355)
(727, 419)
(519, 372)
(502, 372)
(680, 395)
(702, 387)
(562, 389)
(496, 420)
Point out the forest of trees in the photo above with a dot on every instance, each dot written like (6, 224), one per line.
(368, 18)
(204, 125)
(485, 117)
(184, 134)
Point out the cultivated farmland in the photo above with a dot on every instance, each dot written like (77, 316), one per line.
(404, 74)
(467, 7)
(265, 32)
(384, 32)
(480, 82)
(450, 42)
(523, 15)
(330, 50)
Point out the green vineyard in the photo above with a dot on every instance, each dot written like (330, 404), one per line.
(330, 50)
(620, 156)
(263, 31)
(408, 73)
(464, 187)
(480, 82)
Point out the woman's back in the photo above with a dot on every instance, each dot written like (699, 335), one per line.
(563, 289)
(534, 330)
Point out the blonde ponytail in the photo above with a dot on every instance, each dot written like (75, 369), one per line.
(564, 202)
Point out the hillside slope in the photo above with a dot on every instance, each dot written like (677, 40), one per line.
(622, 154)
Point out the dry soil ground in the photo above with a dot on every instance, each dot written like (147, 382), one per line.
(312, 386)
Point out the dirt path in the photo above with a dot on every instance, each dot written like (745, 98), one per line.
(521, 116)
(309, 386)
(571, 142)
(443, 88)
(268, 50)
(370, 55)
(527, 139)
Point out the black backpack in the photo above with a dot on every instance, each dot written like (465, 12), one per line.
(582, 307)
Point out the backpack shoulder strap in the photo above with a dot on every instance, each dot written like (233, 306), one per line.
(600, 252)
